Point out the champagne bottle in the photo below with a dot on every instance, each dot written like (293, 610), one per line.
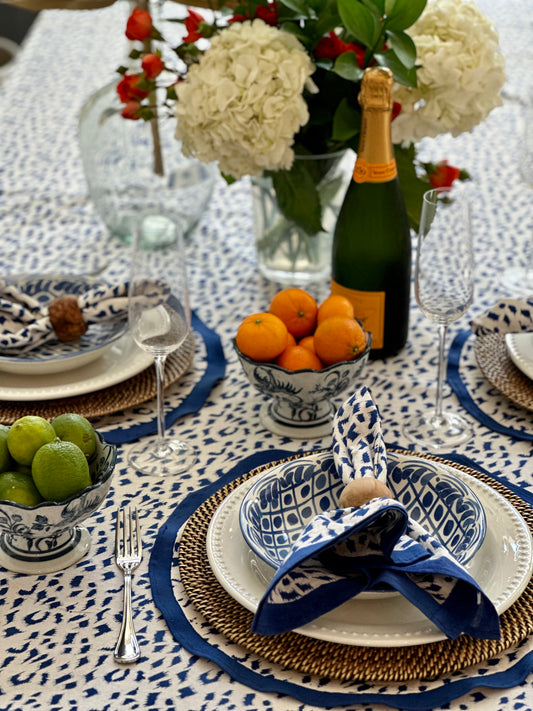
(371, 260)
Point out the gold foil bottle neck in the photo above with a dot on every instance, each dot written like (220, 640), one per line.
(376, 89)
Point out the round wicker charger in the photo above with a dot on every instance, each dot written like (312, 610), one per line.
(134, 391)
(306, 655)
(497, 366)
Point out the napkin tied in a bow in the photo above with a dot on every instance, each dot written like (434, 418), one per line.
(344, 552)
(25, 324)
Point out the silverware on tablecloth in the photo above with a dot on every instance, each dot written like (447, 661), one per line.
(128, 555)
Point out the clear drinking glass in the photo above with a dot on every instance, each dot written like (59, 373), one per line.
(444, 287)
(160, 321)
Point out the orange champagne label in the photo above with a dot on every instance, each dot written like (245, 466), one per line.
(374, 172)
(369, 307)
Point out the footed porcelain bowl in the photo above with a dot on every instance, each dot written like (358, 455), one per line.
(282, 501)
(48, 537)
(300, 402)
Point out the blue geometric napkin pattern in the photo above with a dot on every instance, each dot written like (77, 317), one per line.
(25, 323)
(344, 552)
(507, 316)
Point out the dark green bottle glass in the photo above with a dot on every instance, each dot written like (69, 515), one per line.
(371, 259)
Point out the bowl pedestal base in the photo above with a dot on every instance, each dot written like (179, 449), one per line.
(46, 555)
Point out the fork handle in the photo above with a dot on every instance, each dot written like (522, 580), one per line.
(127, 649)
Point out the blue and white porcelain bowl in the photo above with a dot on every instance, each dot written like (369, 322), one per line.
(48, 537)
(58, 356)
(300, 402)
(282, 501)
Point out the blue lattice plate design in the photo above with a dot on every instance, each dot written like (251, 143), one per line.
(300, 403)
(282, 501)
(48, 537)
(57, 356)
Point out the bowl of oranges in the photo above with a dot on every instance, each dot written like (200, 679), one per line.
(53, 476)
(302, 355)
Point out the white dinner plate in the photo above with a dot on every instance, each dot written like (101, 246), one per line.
(122, 361)
(520, 348)
(502, 567)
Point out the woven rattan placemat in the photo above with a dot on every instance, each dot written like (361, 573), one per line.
(327, 659)
(497, 366)
(133, 391)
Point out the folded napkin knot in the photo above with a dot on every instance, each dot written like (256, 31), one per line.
(377, 546)
(26, 323)
(507, 316)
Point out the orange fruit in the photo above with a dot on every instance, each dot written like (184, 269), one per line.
(335, 305)
(298, 358)
(291, 340)
(297, 309)
(308, 342)
(261, 336)
(339, 338)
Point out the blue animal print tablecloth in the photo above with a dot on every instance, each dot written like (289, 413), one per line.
(59, 630)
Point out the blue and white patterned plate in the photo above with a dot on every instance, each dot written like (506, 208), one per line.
(57, 356)
(280, 504)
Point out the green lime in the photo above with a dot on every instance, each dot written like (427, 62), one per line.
(70, 427)
(60, 470)
(6, 460)
(26, 435)
(18, 487)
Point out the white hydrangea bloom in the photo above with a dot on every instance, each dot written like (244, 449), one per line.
(242, 104)
(461, 73)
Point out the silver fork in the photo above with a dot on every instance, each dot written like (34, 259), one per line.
(128, 555)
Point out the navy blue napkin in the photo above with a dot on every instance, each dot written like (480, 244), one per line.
(344, 552)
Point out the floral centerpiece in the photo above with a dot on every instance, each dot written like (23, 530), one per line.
(260, 85)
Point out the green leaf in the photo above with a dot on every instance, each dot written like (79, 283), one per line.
(359, 21)
(401, 14)
(346, 66)
(346, 122)
(402, 74)
(300, 7)
(404, 47)
(413, 187)
(375, 4)
(298, 197)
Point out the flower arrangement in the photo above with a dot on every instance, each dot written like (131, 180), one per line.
(271, 79)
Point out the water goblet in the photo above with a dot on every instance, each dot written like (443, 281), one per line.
(160, 320)
(444, 286)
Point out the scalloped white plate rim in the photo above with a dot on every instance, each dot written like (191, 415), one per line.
(502, 567)
(122, 361)
(520, 348)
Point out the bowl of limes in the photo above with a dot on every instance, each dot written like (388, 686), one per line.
(53, 476)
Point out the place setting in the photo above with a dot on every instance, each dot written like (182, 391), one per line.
(490, 367)
(261, 556)
(82, 369)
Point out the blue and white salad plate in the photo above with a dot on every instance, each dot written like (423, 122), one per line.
(57, 356)
(280, 504)
(502, 566)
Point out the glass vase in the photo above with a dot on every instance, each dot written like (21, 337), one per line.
(286, 253)
(123, 180)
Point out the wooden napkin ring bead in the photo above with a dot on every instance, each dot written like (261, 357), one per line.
(360, 491)
(66, 318)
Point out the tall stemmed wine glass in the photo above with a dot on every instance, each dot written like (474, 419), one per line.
(160, 321)
(444, 286)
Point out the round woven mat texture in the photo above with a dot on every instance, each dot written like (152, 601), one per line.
(497, 366)
(346, 663)
(133, 391)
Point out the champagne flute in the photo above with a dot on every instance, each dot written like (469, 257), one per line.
(160, 321)
(444, 287)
